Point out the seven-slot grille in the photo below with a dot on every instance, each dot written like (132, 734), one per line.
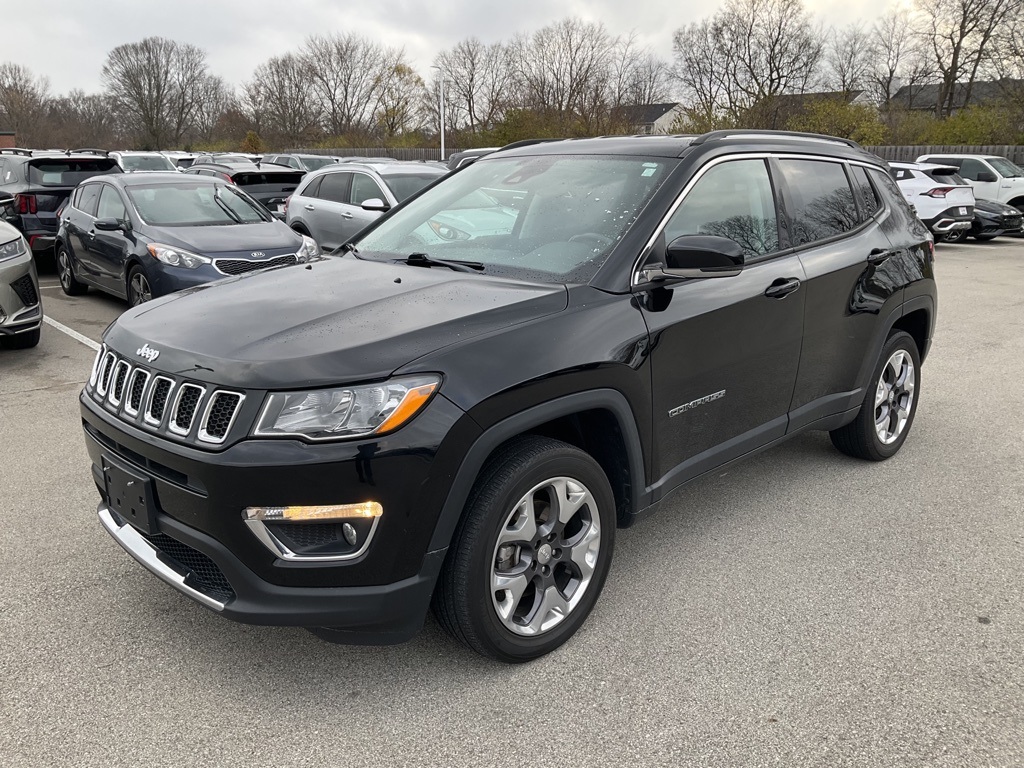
(177, 409)
(241, 266)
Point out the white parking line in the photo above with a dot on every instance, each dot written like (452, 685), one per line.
(72, 333)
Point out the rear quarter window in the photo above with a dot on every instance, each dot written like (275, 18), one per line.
(55, 172)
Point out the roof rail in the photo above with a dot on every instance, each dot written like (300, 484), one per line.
(87, 151)
(525, 143)
(735, 133)
(15, 151)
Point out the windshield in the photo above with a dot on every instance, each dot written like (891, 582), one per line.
(552, 218)
(190, 204)
(54, 172)
(405, 185)
(315, 163)
(146, 163)
(1006, 169)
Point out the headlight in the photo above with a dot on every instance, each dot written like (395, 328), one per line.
(176, 257)
(446, 232)
(336, 414)
(12, 249)
(309, 249)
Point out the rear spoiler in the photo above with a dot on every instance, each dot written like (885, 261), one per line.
(16, 151)
(87, 151)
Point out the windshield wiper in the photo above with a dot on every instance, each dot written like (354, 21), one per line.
(225, 207)
(423, 260)
(346, 248)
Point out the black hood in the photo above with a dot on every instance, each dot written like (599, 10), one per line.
(271, 237)
(334, 321)
(991, 206)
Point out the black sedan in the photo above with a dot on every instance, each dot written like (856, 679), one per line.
(143, 235)
(991, 219)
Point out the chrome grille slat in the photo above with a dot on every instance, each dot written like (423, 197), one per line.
(162, 403)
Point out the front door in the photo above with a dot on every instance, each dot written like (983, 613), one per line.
(724, 351)
(110, 247)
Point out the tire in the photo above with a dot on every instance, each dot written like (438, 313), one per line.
(548, 578)
(66, 274)
(985, 238)
(957, 236)
(25, 340)
(138, 288)
(863, 438)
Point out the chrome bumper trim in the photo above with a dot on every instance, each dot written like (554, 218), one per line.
(148, 556)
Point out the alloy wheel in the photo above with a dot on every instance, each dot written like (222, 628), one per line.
(139, 289)
(894, 397)
(545, 556)
(64, 270)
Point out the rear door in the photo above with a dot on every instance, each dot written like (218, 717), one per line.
(81, 232)
(329, 213)
(837, 221)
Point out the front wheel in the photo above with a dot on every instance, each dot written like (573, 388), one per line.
(530, 556)
(139, 291)
(890, 403)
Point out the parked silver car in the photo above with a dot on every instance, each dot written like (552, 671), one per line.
(21, 312)
(333, 204)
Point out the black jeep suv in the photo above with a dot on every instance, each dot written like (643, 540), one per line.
(464, 403)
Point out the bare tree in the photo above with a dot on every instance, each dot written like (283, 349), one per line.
(157, 85)
(961, 34)
(478, 81)
(81, 119)
(346, 72)
(849, 59)
(900, 57)
(23, 102)
(280, 100)
(214, 100)
(398, 103)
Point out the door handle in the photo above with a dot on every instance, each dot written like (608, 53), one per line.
(90, 233)
(346, 215)
(878, 255)
(310, 207)
(782, 287)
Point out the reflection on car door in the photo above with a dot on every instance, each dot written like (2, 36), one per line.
(109, 248)
(724, 355)
(328, 214)
(364, 187)
(81, 232)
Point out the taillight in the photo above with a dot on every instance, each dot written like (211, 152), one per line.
(938, 191)
(226, 178)
(25, 203)
(284, 208)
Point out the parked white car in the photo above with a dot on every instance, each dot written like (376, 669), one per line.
(143, 161)
(993, 177)
(943, 201)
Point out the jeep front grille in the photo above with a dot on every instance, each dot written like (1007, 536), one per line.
(178, 409)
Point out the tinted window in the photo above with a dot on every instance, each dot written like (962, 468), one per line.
(732, 200)
(110, 206)
(971, 168)
(313, 188)
(67, 173)
(334, 187)
(364, 188)
(821, 200)
(888, 189)
(87, 200)
(403, 185)
(867, 198)
(901, 174)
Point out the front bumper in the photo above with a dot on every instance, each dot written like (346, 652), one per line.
(21, 309)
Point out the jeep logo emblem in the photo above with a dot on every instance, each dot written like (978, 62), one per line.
(258, 254)
(147, 352)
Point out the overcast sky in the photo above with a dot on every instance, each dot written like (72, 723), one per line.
(67, 40)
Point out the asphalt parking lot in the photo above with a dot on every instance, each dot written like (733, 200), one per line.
(801, 608)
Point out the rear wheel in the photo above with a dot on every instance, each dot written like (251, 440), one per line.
(887, 412)
(139, 291)
(66, 274)
(531, 553)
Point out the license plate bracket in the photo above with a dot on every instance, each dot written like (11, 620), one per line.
(130, 495)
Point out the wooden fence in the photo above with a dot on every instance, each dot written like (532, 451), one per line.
(910, 154)
(399, 153)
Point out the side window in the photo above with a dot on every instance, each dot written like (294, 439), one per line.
(891, 192)
(822, 201)
(87, 200)
(334, 187)
(312, 189)
(111, 206)
(971, 168)
(4, 173)
(901, 174)
(364, 188)
(76, 196)
(731, 200)
(867, 198)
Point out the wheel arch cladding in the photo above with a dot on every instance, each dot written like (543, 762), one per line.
(918, 324)
(599, 422)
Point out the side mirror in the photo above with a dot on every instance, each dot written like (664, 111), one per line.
(698, 256)
(111, 225)
(375, 204)
(986, 177)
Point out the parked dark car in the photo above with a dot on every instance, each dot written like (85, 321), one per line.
(143, 235)
(991, 219)
(271, 186)
(339, 444)
(40, 183)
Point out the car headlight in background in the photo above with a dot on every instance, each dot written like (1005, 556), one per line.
(309, 249)
(13, 248)
(346, 412)
(176, 257)
(447, 232)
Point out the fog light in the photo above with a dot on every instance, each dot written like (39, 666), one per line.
(367, 509)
